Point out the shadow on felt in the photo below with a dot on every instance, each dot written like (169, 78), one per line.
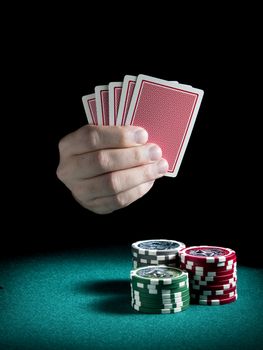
(115, 295)
(120, 305)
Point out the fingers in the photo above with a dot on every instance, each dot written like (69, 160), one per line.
(119, 181)
(107, 168)
(106, 205)
(100, 162)
(90, 138)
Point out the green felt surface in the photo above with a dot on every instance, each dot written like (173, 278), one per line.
(82, 301)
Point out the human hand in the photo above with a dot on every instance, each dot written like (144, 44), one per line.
(109, 167)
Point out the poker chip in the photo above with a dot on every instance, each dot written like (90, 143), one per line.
(156, 252)
(160, 296)
(145, 287)
(136, 264)
(159, 258)
(173, 302)
(212, 302)
(159, 289)
(207, 275)
(155, 247)
(214, 278)
(200, 270)
(212, 274)
(206, 254)
(158, 311)
(212, 283)
(161, 306)
(213, 297)
(159, 275)
(215, 292)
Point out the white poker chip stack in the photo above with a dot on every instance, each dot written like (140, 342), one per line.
(156, 252)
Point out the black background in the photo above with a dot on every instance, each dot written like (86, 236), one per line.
(56, 56)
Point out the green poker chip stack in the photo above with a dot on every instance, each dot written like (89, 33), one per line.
(159, 289)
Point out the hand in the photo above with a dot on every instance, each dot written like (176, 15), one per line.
(109, 167)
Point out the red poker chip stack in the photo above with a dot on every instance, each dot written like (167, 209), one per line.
(212, 274)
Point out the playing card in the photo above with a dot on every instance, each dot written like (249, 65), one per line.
(168, 111)
(89, 103)
(115, 89)
(126, 96)
(102, 104)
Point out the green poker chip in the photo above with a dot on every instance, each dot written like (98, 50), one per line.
(166, 293)
(158, 288)
(183, 295)
(161, 302)
(160, 306)
(158, 311)
(159, 299)
(169, 284)
(158, 274)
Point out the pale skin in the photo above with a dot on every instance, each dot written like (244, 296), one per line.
(109, 167)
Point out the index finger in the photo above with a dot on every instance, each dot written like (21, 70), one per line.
(92, 138)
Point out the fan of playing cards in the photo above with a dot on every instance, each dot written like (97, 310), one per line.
(166, 109)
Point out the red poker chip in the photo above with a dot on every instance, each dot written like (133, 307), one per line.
(207, 254)
(212, 297)
(208, 267)
(213, 287)
(214, 302)
(210, 273)
(213, 278)
(207, 273)
(208, 260)
(213, 292)
(211, 265)
(212, 283)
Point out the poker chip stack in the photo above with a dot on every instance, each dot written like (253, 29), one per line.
(156, 252)
(212, 274)
(159, 290)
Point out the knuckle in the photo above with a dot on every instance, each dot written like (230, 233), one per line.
(78, 190)
(148, 173)
(101, 206)
(103, 211)
(61, 172)
(120, 201)
(102, 160)
(140, 191)
(93, 138)
(137, 154)
(113, 182)
(62, 144)
(122, 136)
(75, 190)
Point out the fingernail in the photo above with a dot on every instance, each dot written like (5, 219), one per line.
(155, 153)
(141, 136)
(162, 166)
